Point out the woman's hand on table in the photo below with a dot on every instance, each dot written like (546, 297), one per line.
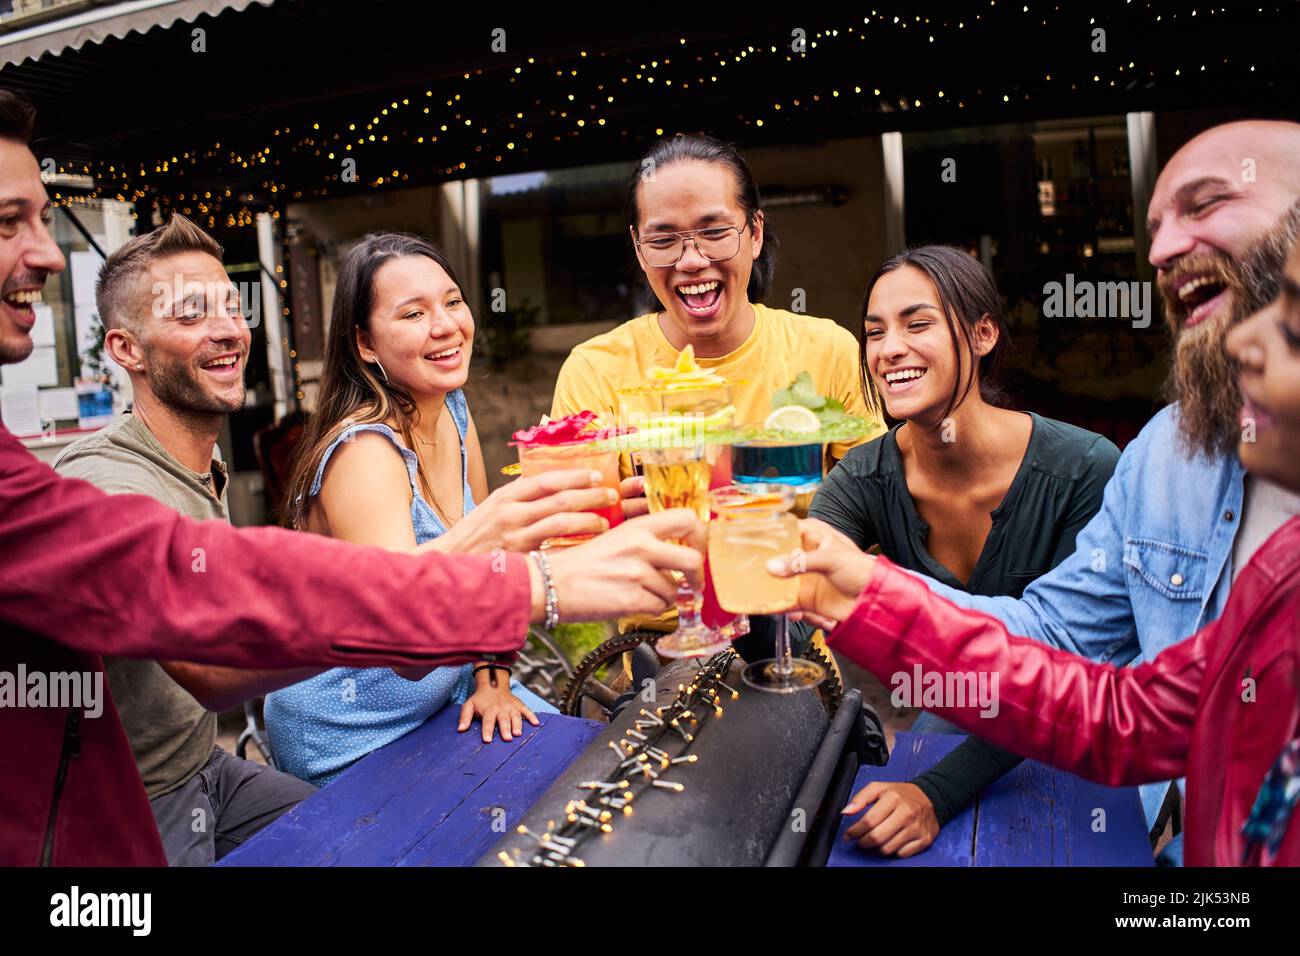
(521, 515)
(635, 502)
(833, 573)
(496, 707)
(622, 573)
(901, 820)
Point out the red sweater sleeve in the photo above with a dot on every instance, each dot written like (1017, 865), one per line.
(1115, 725)
(127, 576)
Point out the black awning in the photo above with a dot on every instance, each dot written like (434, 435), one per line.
(99, 22)
(282, 86)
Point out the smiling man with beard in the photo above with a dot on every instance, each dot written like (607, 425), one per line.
(1178, 519)
(174, 322)
(1214, 271)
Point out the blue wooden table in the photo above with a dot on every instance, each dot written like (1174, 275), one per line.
(432, 798)
(1034, 816)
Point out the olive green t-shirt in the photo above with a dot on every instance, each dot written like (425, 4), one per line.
(171, 734)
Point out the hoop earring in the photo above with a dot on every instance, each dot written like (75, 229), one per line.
(382, 372)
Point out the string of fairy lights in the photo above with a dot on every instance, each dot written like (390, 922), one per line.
(460, 130)
(644, 763)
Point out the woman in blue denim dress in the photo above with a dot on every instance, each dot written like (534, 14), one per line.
(391, 458)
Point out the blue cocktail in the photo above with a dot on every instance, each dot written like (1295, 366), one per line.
(776, 463)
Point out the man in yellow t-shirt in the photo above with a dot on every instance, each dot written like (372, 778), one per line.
(780, 346)
(701, 238)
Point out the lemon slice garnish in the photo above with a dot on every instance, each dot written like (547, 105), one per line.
(685, 372)
(793, 418)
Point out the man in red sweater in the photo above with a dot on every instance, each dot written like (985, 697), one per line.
(83, 574)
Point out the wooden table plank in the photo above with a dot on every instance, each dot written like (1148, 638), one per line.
(505, 795)
(390, 806)
(912, 754)
(1034, 816)
(1039, 816)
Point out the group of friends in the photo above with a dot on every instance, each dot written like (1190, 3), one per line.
(1142, 610)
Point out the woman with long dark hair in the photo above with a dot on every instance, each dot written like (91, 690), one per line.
(391, 458)
(964, 490)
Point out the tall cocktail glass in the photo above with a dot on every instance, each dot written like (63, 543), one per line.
(679, 478)
(748, 529)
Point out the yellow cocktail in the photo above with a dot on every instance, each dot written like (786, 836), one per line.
(679, 478)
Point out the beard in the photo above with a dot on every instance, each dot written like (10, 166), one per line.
(176, 384)
(1202, 376)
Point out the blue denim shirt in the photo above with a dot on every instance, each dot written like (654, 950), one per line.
(1152, 567)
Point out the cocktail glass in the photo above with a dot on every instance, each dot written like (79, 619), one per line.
(691, 409)
(748, 529)
(679, 478)
(538, 459)
(760, 465)
(770, 462)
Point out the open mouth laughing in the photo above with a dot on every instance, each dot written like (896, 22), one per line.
(701, 298)
(1194, 294)
(900, 380)
(227, 366)
(448, 358)
(21, 302)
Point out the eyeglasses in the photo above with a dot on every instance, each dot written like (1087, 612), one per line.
(665, 249)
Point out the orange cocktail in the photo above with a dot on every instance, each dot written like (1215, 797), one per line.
(566, 444)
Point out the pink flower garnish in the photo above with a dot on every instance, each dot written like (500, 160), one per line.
(559, 431)
(577, 427)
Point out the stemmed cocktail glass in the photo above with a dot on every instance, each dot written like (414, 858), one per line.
(748, 529)
(679, 478)
(792, 470)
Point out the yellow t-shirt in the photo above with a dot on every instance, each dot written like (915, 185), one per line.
(781, 345)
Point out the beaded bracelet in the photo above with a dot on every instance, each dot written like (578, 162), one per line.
(548, 588)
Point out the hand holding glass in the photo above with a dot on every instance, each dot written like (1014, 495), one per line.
(746, 532)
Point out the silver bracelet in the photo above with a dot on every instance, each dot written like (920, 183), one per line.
(548, 588)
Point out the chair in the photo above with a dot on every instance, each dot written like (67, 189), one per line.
(274, 446)
(253, 731)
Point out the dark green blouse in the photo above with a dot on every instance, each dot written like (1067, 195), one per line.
(1056, 491)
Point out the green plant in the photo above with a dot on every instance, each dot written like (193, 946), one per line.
(95, 360)
(578, 640)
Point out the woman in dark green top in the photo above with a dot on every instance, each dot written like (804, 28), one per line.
(973, 494)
